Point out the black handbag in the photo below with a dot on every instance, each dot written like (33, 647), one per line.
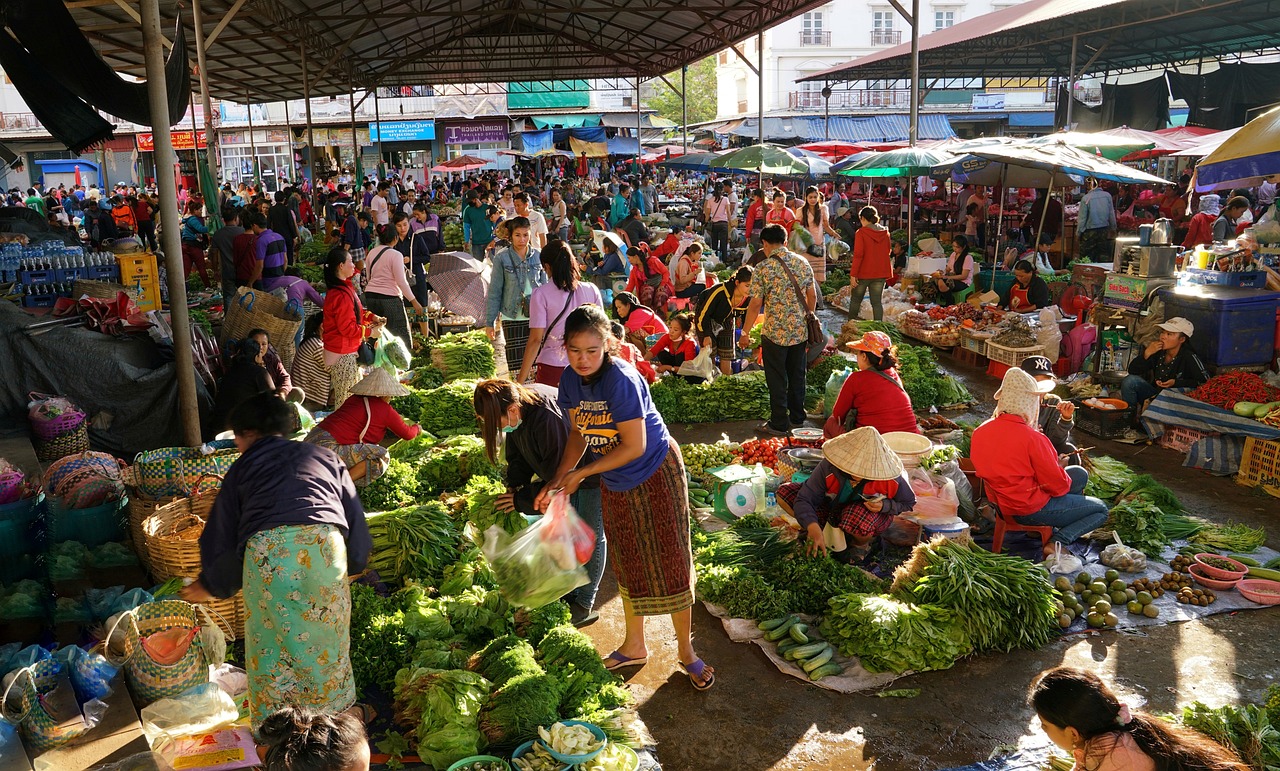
(368, 348)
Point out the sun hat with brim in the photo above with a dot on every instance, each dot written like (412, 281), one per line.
(614, 237)
(862, 453)
(379, 382)
(874, 343)
(1178, 324)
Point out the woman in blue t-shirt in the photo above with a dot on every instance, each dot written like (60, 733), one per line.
(644, 499)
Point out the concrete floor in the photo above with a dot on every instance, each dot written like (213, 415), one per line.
(756, 718)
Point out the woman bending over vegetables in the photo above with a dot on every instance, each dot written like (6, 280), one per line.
(612, 421)
(1080, 714)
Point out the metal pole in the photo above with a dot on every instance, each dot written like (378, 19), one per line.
(637, 163)
(377, 119)
(195, 149)
(760, 98)
(210, 140)
(306, 94)
(1071, 80)
(356, 184)
(157, 97)
(826, 105)
(914, 131)
(253, 145)
(684, 110)
(288, 137)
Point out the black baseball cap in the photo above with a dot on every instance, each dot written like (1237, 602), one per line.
(1037, 366)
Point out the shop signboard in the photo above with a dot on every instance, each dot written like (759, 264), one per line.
(403, 131)
(182, 140)
(476, 132)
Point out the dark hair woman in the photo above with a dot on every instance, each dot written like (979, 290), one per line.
(549, 305)
(650, 279)
(1082, 715)
(717, 211)
(346, 324)
(614, 424)
(247, 376)
(286, 529)
(532, 426)
(873, 395)
(1028, 292)
(299, 740)
(387, 282)
(640, 320)
(955, 277)
(714, 316)
(872, 266)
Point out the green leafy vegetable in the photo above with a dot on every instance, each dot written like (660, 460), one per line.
(890, 635)
(380, 647)
(397, 488)
(466, 355)
(444, 708)
(416, 542)
(449, 408)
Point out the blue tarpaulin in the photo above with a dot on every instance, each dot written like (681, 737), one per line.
(1219, 453)
(538, 142)
(844, 128)
(1031, 119)
(624, 146)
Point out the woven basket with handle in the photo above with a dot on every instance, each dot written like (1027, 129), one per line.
(252, 309)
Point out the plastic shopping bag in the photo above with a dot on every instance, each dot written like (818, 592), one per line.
(197, 710)
(700, 366)
(935, 495)
(964, 490)
(543, 562)
(392, 354)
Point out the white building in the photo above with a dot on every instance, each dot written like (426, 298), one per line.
(825, 37)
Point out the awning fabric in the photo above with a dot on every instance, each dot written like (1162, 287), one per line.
(538, 142)
(1041, 119)
(565, 121)
(582, 147)
(624, 146)
(628, 121)
(844, 128)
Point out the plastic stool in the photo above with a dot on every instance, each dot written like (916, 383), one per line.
(962, 294)
(1004, 524)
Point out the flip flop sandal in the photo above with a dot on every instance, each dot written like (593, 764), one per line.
(616, 661)
(696, 670)
(367, 713)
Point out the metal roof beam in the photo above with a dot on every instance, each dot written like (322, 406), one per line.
(223, 22)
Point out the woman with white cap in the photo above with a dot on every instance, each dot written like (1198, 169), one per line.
(852, 496)
(1020, 467)
(872, 396)
(1166, 362)
(355, 430)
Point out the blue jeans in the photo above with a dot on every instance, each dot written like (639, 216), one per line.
(587, 503)
(1071, 515)
(1135, 390)
(874, 286)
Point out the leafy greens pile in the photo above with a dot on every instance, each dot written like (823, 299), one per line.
(467, 355)
(890, 635)
(730, 397)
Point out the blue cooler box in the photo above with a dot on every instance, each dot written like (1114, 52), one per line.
(1235, 327)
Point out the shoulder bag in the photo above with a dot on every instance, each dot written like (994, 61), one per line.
(546, 333)
(815, 334)
(366, 353)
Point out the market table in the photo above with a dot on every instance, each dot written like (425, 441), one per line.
(1218, 454)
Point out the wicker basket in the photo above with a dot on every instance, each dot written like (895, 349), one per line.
(170, 555)
(139, 508)
(61, 446)
(171, 471)
(229, 615)
(103, 290)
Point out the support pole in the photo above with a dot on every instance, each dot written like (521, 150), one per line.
(195, 151)
(253, 145)
(915, 76)
(288, 135)
(684, 110)
(377, 121)
(170, 236)
(760, 100)
(1071, 81)
(210, 140)
(356, 184)
(637, 163)
(826, 106)
(306, 95)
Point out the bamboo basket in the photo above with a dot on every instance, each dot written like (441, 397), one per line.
(139, 508)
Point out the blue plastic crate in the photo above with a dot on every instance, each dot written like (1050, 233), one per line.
(1246, 279)
(1235, 327)
(69, 275)
(36, 276)
(39, 301)
(104, 273)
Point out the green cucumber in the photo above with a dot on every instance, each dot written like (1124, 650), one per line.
(773, 623)
(830, 668)
(797, 633)
(1273, 564)
(822, 658)
(1265, 573)
(1246, 561)
(786, 645)
(1264, 410)
(808, 650)
(780, 632)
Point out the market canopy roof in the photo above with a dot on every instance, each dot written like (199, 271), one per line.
(1034, 39)
(434, 42)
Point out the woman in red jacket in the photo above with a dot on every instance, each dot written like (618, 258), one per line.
(755, 218)
(650, 279)
(346, 324)
(872, 266)
(872, 396)
(356, 429)
(1200, 228)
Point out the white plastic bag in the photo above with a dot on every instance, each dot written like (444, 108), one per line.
(197, 710)
(1126, 559)
(1062, 561)
(935, 495)
(1049, 336)
(700, 366)
(543, 562)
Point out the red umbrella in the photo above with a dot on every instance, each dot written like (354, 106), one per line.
(463, 163)
(832, 148)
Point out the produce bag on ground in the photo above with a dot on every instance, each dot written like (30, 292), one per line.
(700, 366)
(964, 491)
(543, 562)
(935, 495)
(197, 710)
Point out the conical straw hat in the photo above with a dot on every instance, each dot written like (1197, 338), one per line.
(863, 453)
(379, 383)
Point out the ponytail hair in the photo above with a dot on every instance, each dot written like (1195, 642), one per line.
(491, 400)
(300, 740)
(885, 361)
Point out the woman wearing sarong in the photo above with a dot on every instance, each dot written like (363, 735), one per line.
(287, 528)
(644, 499)
(356, 429)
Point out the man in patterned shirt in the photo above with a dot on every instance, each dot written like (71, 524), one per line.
(784, 335)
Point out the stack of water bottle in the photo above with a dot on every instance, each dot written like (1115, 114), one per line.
(44, 272)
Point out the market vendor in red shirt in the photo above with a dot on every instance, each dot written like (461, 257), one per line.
(872, 396)
(1023, 473)
(851, 497)
(675, 347)
(355, 430)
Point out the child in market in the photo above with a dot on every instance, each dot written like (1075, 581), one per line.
(674, 348)
(295, 739)
(1082, 715)
(629, 353)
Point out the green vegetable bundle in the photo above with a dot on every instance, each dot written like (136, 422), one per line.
(922, 380)
(411, 404)
(380, 647)
(416, 542)
(502, 663)
(1252, 731)
(1108, 477)
(890, 635)
(482, 494)
(449, 464)
(1003, 601)
(427, 377)
(517, 709)
(533, 625)
(477, 614)
(466, 355)
(1233, 537)
(397, 488)
(444, 708)
(571, 657)
(730, 397)
(1139, 523)
(449, 409)
(314, 251)
(472, 569)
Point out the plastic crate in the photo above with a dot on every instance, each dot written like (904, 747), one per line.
(39, 300)
(70, 275)
(1234, 326)
(969, 357)
(1012, 357)
(103, 273)
(970, 343)
(1180, 439)
(1248, 279)
(1260, 465)
(30, 277)
(1104, 424)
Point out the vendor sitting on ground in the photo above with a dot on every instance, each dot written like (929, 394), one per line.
(1167, 362)
(612, 259)
(1020, 467)
(1028, 292)
(675, 347)
(355, 430)
(275, 367)
(873, 395)
(853, 495)
(1057, 415)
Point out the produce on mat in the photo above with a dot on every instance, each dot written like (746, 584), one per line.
(798, 643)
(699, 458)
(1108, 477)
(1015, 332)
(1123, 558)
(468, 355)
(449, 409)
(569, 739)
(743, 396)
(472, 569)
(1227, 389)
(924, 383)
(449, 464)
(443, 707)
(379, 644)
(762, 451)
(414, 542)
(1252, 730)
(1235, 537)
(1201, 597)
(517, 709)
(1181, 562)
(1002, 601)
(890, 635)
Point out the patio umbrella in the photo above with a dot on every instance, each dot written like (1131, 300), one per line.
(761, 159)
(1097, 143)
(1206, 144)
(907, 162)
(462, 163)
(461, 281)
(1160, 144)
(690, 162)
(832, 149)
(1244, 158)
(971, 169)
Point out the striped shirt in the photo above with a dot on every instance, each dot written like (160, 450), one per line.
(309, 373)
(272, 253)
